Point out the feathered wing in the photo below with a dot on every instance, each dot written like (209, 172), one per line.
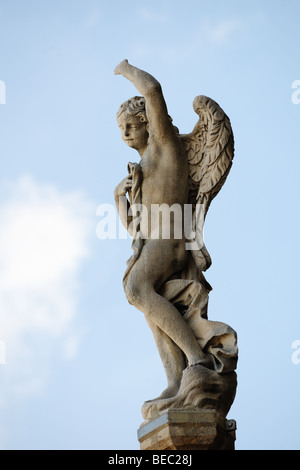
(210, 151)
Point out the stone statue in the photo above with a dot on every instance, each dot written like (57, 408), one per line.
(164, 276)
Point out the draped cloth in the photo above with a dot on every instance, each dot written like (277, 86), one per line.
(188, 292)
(216, 339)
(135, 197)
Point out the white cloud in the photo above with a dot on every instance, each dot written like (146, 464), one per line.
(43, 242)
(71, 346)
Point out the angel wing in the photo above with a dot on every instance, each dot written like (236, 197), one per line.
(210, 151)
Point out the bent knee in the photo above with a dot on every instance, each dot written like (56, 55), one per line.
(134, 293)
(138, 293)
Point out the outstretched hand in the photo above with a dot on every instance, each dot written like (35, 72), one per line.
(119, 70)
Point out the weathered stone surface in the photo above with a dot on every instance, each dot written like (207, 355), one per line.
(200, 388)
(184, 429)
(164, 277)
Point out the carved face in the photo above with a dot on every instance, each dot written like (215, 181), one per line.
(133, 131)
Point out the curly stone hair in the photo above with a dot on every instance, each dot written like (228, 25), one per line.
(135, 106)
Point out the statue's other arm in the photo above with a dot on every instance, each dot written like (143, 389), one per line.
(160, 124)
(122, 202)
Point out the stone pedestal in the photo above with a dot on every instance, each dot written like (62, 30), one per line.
(182, 429)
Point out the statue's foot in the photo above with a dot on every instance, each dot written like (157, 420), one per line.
(200, 388)
(169, 392)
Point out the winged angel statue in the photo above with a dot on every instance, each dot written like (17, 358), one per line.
(164, 276)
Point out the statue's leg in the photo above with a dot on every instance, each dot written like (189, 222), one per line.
(172, 358)
(160, 259)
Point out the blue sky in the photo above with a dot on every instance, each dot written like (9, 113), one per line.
(79, 360)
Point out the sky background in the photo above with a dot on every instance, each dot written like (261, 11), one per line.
(79, 361)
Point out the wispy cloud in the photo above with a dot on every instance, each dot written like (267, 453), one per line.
(92, 18)
(43, 241)
(207, 34)
(151, 16)
(221, 32)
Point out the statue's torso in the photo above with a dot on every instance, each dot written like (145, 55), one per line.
(165, 176)
(164, 181)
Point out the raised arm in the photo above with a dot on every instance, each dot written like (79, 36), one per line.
(149, 87)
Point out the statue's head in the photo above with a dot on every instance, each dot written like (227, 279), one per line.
(135, 106)
(133, 123)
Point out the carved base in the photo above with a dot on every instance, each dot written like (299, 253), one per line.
(200, 389)
(181, 429)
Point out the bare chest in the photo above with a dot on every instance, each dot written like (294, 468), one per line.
(165, 179)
